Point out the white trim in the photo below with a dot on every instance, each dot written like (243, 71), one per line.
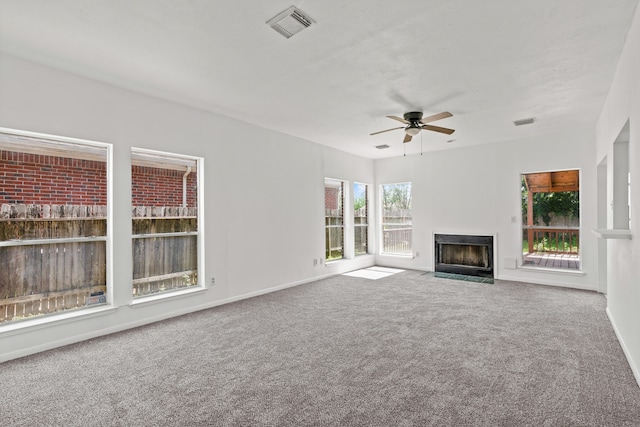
(51, 145)
(554, 283)
(161, 159)
(392, 255)
(562, 271)
(163, 296)
(110, 220)
(77, 145)
(174, 234)
(54, 319)
(34, 242)
(625, 350)
(610, 233)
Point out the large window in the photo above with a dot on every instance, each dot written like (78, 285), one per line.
(396, 218)
(334, 219)
(165, 190)
(53, 224)
(551, 219)
(361, 218)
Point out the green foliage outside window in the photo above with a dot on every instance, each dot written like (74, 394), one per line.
(562, 204)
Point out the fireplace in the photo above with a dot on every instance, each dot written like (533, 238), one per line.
(462, 254)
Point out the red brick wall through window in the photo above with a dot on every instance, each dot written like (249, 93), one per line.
(331, 197)
(161, 187)
(41, 179)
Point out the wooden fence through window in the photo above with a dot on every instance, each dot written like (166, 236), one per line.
(52, 258)
(165, 249)
(397, 231)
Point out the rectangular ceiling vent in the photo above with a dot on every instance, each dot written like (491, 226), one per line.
(382, 147)
(290, 22)
(524, 121)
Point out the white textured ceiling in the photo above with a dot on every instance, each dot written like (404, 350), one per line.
(488, 62)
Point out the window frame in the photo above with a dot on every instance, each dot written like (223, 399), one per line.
(405, 254)
(367, 218)
(41, 144)
(342, 184)
(552, 235)
(200, 283)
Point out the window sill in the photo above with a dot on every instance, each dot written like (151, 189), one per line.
(409, 256)
(554, 270)
(612, 233)
(55, 319)
(157, 298)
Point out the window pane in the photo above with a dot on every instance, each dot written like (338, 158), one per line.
(551, 219)
(165, 222)
(360, 218)
(396, 219)
(334, 219)
(53, 225)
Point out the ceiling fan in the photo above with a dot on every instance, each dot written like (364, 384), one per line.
(415, 123)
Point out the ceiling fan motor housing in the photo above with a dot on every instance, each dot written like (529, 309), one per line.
(414, 116)
(414, 123)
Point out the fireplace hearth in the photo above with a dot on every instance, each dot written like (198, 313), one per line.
(469, 255)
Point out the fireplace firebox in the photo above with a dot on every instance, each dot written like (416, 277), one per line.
(470, 255)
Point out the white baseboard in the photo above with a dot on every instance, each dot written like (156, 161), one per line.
(632, 364)
(539, 281)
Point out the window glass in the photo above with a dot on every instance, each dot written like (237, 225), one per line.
(53, 224)
(396, 219)
(334, 219)
(164, 222)
(551, 219)
(361, 218)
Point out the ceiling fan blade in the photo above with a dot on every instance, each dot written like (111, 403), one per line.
(399, 119)
(435, 117)
(407, 138)
(387, 130)
(438, 129)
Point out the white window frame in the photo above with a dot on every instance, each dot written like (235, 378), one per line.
(555, 240)
(344, 185)
(200, 285)
(25, 143)
(383, 224)
(367, 225)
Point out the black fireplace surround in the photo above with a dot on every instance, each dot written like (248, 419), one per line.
(464, 254)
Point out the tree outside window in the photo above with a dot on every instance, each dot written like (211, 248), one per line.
(360, 218)
(396, 219)
(551, 219)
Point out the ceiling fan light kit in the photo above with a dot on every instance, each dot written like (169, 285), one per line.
(415, 123)
(412, 130)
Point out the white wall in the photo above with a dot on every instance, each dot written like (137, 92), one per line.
(264, 193)
(476, 190)
(623, 266)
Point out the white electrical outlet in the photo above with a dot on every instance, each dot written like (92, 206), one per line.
(213, 280)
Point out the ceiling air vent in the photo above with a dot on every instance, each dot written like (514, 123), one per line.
(382, 147)
(290, 22)
(524, 121)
